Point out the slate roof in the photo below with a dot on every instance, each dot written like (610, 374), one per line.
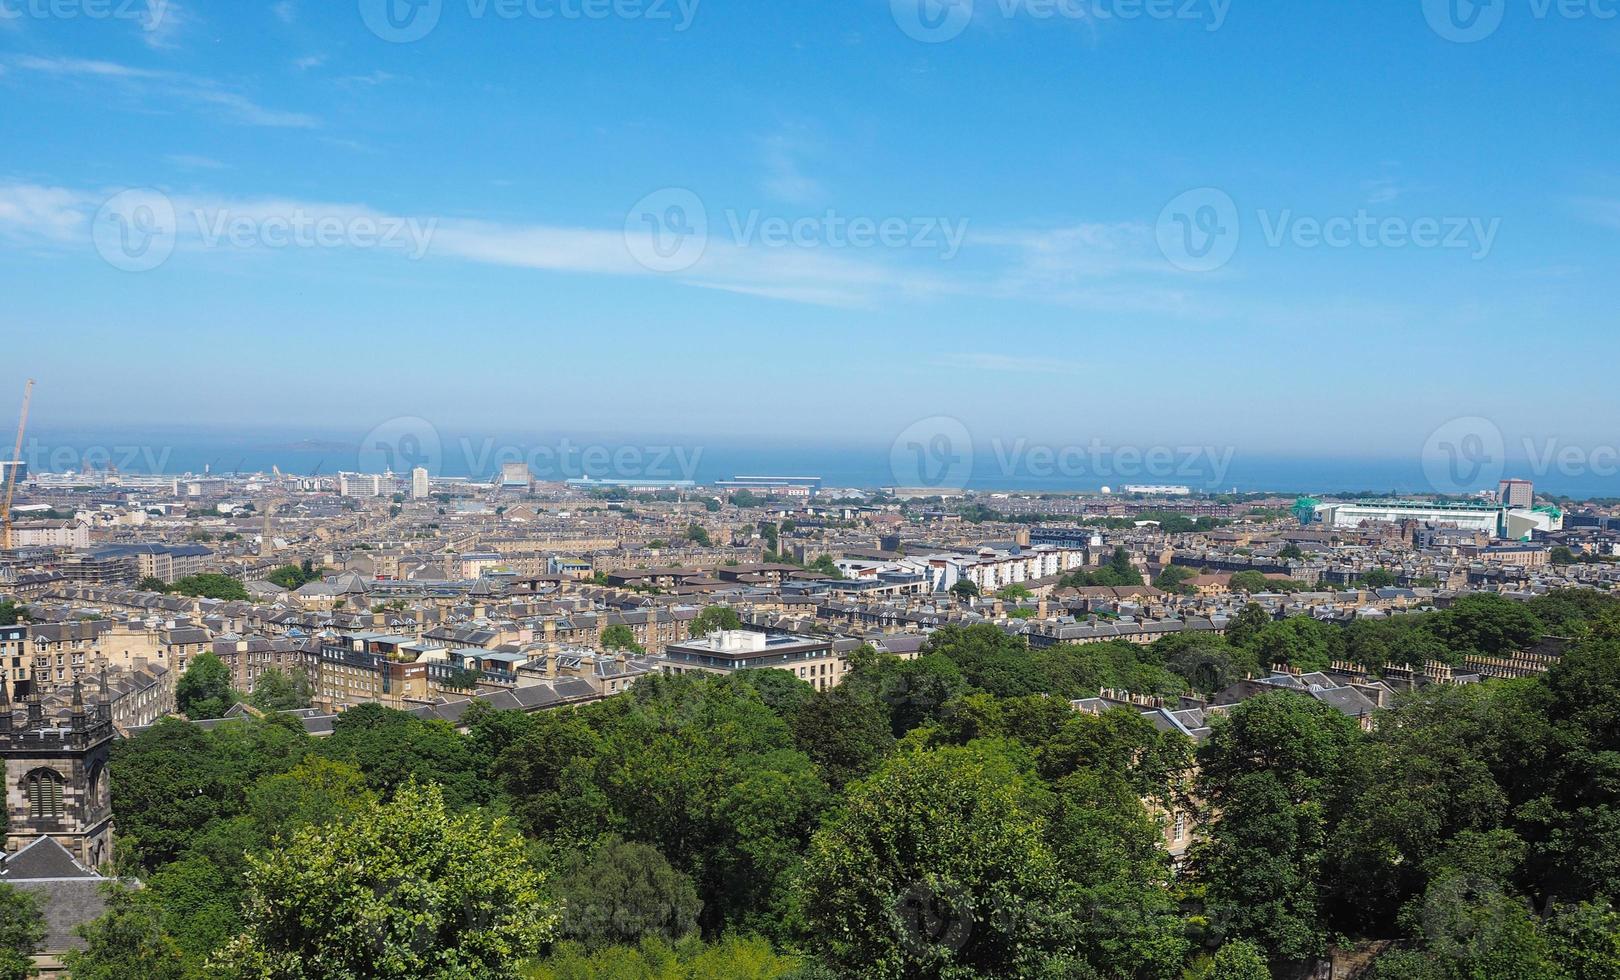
(69, 893)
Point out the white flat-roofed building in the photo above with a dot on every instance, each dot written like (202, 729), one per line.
(808, 658)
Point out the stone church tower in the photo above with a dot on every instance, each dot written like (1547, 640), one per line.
(56, 775)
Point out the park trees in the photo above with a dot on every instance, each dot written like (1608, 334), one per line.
(407, 889)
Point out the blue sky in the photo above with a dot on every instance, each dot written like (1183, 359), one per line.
(1032, 285)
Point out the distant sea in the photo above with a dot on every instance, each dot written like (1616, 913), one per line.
(400, 445)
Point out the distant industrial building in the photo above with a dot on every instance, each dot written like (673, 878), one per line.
(515, 475)
(1514, 523)
(361, 484)
(780, 486)
(1516, 493)
(1158, 491)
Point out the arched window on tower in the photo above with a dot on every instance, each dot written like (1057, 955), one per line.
(45, 794)
(98, 787)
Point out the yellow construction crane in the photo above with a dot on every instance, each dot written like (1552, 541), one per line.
(16, 462)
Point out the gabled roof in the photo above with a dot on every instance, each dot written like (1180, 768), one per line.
(43, 857)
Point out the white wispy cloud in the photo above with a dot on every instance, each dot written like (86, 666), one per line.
(308, 62)
(158, 83)
(286, 11)
(52, 214)
(1010, 265)
(161, 27)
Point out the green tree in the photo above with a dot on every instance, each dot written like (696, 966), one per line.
(623, 892)
(1173, 578)
(827, 566)
(714, 618)
(620, 637)
(698, 536)
(1379, 578)
(393, 748)
(314, 793)
(211, 585)
(127, 941)
(1014, 592)
(1272, 776)
(965, 589)
(11, 613)
(1585, 940)
(152, 583)
(293, 577)
(1243, 628)
(1299, 642)
(278, 690)
(845, 731)
(733, 958)
(1239, 960)
(22, 930)
(1485, 623)
(1291, 552)
(204, 690)
(407, 889)
(937, 865)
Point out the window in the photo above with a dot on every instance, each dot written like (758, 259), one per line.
(45, 794)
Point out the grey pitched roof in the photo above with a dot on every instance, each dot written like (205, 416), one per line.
(42, 857)
(69, 893)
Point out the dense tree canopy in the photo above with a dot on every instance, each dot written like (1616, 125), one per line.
(947, 816)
